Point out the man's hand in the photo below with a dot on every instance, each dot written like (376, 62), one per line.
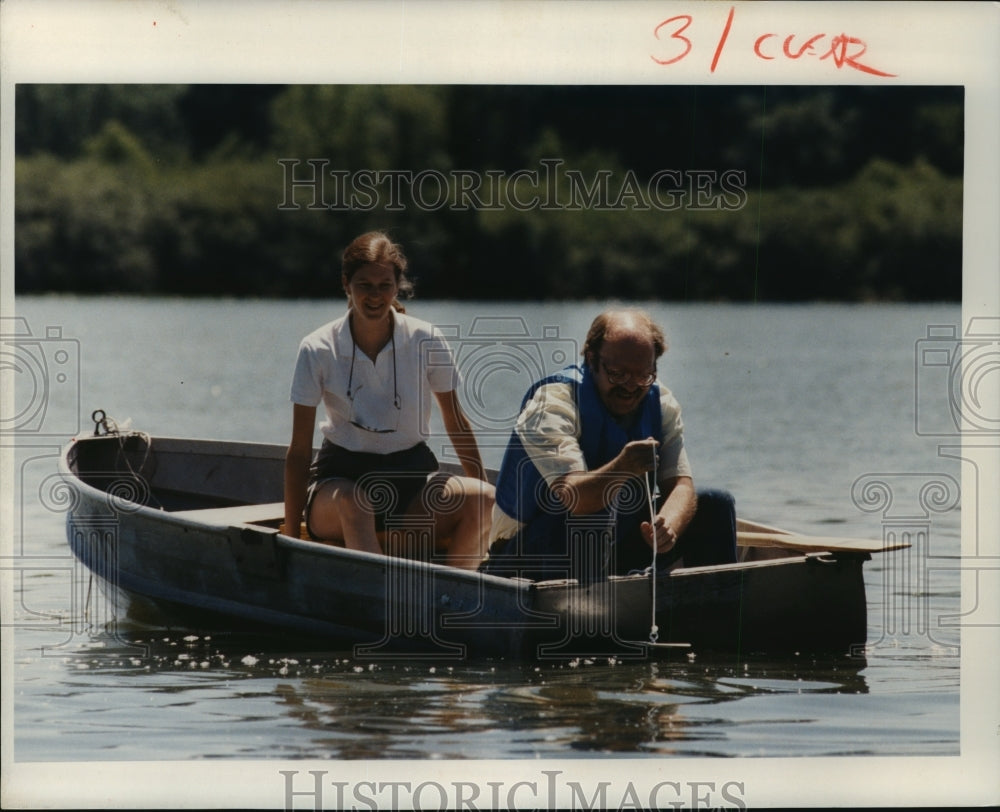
(585, 492)
(675, 514)
(666, 538)
(637, 457)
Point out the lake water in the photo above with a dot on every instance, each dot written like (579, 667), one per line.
(791, 408)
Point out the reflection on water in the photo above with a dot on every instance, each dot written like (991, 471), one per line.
(352, 709)
(785, 406)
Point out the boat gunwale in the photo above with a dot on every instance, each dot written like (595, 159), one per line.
(190, 518)
(307, 546)
(532, 596)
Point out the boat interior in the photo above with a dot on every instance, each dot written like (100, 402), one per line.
(227, 483)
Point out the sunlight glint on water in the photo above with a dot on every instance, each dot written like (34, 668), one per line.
(785, 406)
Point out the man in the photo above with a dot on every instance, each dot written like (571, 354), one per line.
(575, 490)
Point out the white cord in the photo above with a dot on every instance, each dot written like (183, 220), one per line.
(654, 630)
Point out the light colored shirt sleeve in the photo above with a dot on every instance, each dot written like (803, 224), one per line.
(549, 430)
(673, 455)
(307, 380)
(439, 363)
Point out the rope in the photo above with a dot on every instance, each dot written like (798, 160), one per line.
(654, 630)
(112, 428)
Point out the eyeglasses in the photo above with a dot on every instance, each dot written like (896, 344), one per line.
(352, 391)
(363, 427)
(619, 376)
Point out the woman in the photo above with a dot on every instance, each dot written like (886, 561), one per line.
(374, 370)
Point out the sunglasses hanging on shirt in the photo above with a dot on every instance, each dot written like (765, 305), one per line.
(359, 398)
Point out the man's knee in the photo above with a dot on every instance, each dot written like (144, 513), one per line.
(711, 537)
(716, 501)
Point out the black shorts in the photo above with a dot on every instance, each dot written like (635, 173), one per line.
(391, 481)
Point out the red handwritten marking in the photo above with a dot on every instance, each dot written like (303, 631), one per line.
(786, 47)
(687, 18)
(759, 42)
(807, 47)
(838, 50)
(844, 50)
(723, 38)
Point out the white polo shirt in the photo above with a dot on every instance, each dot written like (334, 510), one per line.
(549, 427)
(419, 357)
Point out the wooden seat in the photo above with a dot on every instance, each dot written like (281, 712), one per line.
(247, 514)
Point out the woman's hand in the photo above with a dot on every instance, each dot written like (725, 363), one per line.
(297, 460)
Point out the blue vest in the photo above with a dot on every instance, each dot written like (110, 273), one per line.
(521, 490)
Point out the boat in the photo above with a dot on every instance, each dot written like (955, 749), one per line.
(191, 531)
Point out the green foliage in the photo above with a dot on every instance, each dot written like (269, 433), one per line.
(362, 126)
(61, 119)
(85, 214)
(116, 146)
(177, 189)
(892, 232)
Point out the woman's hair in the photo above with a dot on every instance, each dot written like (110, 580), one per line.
(612, 320)
(376, 247)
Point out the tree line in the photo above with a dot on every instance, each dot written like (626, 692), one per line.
(496, 192)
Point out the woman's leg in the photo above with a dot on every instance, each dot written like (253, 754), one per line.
(341, 512)
(462, 511)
